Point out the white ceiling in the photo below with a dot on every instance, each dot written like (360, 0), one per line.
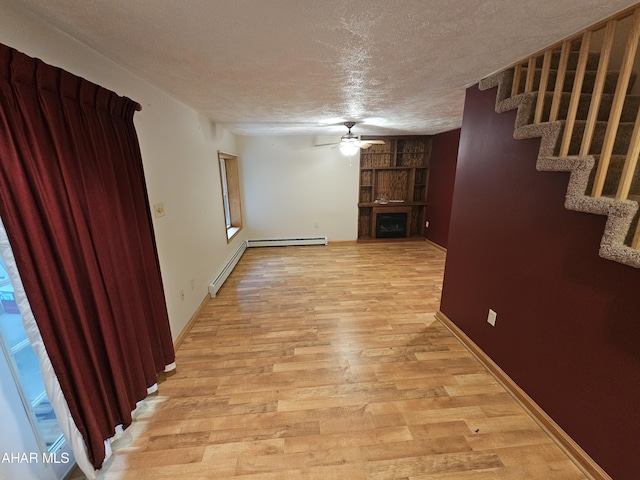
(289, 67)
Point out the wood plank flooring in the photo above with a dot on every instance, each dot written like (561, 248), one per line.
(327, 363)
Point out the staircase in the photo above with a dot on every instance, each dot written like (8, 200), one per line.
(587, 97)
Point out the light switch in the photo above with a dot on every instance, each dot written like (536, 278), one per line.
(158, 209)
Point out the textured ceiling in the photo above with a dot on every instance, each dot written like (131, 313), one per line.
(287, 67)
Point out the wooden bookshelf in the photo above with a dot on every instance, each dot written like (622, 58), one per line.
(395, 172)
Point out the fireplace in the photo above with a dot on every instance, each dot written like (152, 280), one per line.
(391, 225)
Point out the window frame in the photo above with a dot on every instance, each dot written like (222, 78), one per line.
(230, 190)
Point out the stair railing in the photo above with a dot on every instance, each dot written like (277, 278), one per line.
(534, 74)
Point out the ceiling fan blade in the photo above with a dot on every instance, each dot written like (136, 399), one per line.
(364, 144)
(326, 144)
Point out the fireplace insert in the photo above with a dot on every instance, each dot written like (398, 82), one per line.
(391, 225)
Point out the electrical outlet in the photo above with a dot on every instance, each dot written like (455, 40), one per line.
(182, 295)
(315, 225)
(193, 284)
(426, 224)
(491, 318)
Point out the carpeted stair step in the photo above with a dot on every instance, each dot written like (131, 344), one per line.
(629, 110)
(628, 240)
(620, 146)
(622, 216)
(614, 173)
(587, 84)
(593, 58)
(632, 231)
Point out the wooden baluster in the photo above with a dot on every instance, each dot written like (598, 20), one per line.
(575, 94)
(531, 74)
(618, 103)
(630, 162)
(542, 88)
(596, 97)
(515, 86)
(557, 91)
(636, 238)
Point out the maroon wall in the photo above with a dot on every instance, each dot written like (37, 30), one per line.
(442, 172)
(568, 324)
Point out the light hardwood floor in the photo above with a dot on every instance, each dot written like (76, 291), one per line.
(327, 363)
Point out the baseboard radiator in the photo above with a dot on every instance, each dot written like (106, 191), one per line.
(284, 242)
(215, 285)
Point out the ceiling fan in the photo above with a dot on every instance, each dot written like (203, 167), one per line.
(350, 143)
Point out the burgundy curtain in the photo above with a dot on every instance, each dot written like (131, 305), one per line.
(74, 204)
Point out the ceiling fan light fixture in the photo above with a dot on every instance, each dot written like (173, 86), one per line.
(349, 147)
(350, 143)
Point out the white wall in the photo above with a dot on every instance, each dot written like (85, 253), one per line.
(179, 152)
(289, 186)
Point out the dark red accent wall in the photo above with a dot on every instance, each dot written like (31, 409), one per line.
(568, 324)
(442, 171)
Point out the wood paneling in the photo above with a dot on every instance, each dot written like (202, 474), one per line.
(394, 172)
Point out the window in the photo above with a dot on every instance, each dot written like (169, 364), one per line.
(230, 181)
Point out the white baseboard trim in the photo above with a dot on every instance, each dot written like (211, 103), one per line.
(217, 282)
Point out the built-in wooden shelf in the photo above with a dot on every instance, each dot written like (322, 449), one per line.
(383, 205)
(395, 170)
